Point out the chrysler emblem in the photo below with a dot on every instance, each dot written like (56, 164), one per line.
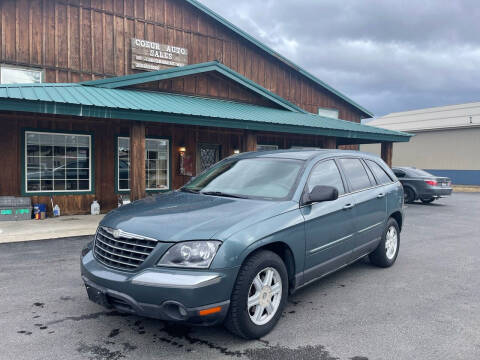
(116, 233)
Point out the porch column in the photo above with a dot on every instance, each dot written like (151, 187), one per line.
(137, 161)
(250, 141)
(387, 152)
(330, 142)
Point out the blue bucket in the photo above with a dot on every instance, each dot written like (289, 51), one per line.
(39, 208)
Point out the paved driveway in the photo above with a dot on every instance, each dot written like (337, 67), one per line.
(426, 307)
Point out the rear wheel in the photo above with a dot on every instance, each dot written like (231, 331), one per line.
(259, 296)
(427, 200)
(387, 251)
(409, 195)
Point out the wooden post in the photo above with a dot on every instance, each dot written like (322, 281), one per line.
(330, 142)
(387, 152)
(137, 161)
(250, 141)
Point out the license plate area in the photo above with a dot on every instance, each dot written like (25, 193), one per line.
(98, 296)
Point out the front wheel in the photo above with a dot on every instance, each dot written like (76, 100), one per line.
(387, 251)
(259, 296)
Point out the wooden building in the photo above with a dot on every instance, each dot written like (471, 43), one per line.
(127, 97)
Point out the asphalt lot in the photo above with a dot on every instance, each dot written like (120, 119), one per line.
(427, 306)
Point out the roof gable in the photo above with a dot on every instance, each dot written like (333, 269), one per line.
(275, 54)
(212, 66)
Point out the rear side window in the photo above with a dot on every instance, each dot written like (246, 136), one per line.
(380, 175)
(355, 173)
(326, 173)
(399, 173)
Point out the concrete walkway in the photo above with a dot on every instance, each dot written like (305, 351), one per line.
(63, 226)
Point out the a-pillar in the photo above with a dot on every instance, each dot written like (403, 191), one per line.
(137, 161)
(387, 152)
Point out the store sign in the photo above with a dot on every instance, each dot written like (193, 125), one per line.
(149, 55)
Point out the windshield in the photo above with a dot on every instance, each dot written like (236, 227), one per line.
(254, 177)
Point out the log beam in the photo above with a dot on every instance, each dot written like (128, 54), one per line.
(387, 152)
(137, 161)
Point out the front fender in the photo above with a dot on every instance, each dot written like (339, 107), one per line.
(287, 228)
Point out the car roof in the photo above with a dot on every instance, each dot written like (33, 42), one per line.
(305, 154)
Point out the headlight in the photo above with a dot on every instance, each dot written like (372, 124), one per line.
(190, 254)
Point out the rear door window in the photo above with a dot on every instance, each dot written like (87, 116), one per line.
(326, 173)
(380, 175)
(356, 174)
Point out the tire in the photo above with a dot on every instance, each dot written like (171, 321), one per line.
(409, 195)
(427, 200)
(239, 319)
(383, 256)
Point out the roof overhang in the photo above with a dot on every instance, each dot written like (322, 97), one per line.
(181, 71)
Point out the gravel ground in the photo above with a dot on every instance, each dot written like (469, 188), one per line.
(425, 307)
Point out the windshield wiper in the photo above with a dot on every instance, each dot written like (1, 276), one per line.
(219, 193)
(189, 190)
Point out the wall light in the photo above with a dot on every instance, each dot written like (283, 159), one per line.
(182, 149)
(236, 151)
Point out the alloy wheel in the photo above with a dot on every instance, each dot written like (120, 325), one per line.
(391, 242)
(264, 296)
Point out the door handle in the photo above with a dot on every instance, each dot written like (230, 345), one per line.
(348, 206)
(379, 196)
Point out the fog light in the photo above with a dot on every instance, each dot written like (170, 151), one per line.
(213, 310)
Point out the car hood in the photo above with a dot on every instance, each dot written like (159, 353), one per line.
(179, 216)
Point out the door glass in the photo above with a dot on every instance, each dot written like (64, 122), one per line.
(326, 173)
(208, 155)
(355, 173)
(379, 173)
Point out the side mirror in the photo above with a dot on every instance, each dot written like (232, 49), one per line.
(320, 193)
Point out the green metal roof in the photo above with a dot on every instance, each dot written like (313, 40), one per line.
(97, 102)
(144, 77)
(272, 52)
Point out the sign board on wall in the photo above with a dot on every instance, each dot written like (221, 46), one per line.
(149, 55)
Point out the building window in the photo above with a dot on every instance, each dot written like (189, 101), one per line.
(157, 164)
(19, 75)
(266, 147)
(58, 163)
(328, 112)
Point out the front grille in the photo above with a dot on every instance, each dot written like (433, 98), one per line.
(125, 252)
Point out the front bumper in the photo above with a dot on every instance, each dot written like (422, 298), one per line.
(161, 293)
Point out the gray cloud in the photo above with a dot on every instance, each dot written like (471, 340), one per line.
(386, 55)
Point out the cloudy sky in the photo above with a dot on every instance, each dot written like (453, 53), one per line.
(387, 55)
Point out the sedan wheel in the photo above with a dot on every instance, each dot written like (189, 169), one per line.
(259, 295)
(409, 195)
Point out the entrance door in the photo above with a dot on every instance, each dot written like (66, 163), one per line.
(207, 155)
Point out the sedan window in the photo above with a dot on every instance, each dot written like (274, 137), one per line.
(380, 175)
(356, 174)
(252, 178)
(326, 173)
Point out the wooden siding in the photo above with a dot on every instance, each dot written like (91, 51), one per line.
(76, 40)
(209, 85)
(105, 133)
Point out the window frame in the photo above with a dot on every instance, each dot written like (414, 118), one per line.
(331, 109)
(169, 165)
(25, 68)
(373, 174)
(350, 188)
(24, 179)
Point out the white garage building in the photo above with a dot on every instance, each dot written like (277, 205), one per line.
(446, 141)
